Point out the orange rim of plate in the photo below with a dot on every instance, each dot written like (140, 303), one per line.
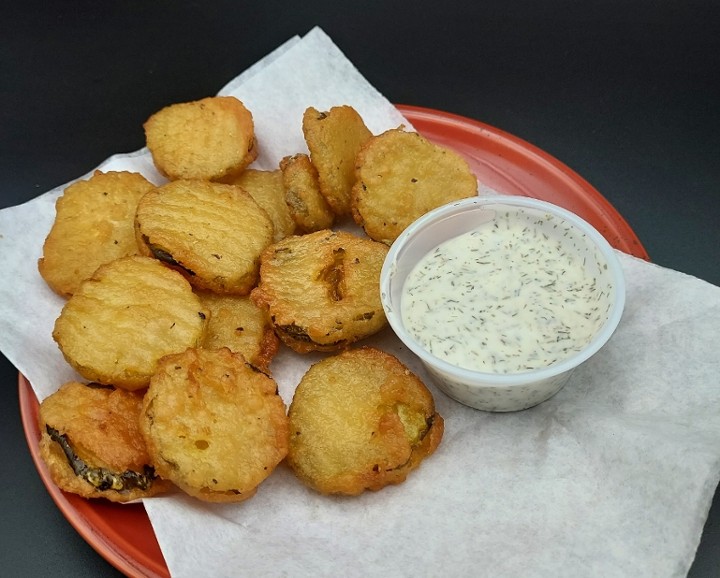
(123, 534)
(120, 533)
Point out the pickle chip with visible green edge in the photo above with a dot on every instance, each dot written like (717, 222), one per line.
(212, 233)
(322, 290)
(360, 420)
(91, 442)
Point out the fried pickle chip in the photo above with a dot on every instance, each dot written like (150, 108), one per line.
(213, 424)
(241, 326)
(308, 208)
(128, 315)
(268, 191)
(360, 420)
(321, 290)
(93, 225)
(334, 139)
(210, 232)
(400, 177)
(91, 443)
(211, 139)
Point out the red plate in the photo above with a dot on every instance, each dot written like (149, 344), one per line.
(123, 535)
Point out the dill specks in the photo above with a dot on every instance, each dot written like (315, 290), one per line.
(514, 295)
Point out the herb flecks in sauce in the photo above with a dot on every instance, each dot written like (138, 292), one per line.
(510, 296)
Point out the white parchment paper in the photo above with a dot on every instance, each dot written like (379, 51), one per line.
(612, 477)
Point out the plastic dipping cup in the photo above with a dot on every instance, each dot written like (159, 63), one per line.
(501, 392)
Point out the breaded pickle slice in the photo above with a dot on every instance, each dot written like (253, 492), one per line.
(213, 424)
(241, 326)
(92, 445)
(210, 232)
(93, 225)
(360, 420)
(268, 191)
(308, 208)
(321, 290)
(128, 315)
(334, 138)
(400, 177)
(211, 139)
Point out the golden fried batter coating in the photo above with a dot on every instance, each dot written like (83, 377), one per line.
(360, 420)
(91, 443)
(334, 138)
(210, 232)
(321, 290)
(400, 177)
(241, 326)
(211, 139)
(93, 225)
(268, 191)
(128, 315)
(307, 206)
(213, 424)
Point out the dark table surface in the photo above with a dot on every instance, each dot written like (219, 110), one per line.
(624, 92)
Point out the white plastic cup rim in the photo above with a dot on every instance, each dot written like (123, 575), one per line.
(478, 378)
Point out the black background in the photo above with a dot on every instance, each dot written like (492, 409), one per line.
(624, 92)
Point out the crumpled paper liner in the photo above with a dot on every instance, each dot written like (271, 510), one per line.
(611, 477)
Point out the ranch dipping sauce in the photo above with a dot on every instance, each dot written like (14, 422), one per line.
(513, 295)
